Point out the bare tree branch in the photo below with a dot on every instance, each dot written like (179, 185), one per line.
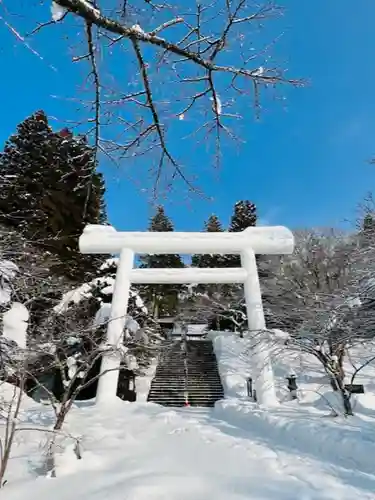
(189, 58)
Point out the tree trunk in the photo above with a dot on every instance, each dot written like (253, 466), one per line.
(337, 383)
(336, 375)
(50, 465)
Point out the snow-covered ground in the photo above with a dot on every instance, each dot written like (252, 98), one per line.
(139, 451)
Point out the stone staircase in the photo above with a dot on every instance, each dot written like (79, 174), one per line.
(187, 373)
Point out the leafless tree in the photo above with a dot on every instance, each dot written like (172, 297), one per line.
(328, 283)
(73, 360)
(9, 413)
(306, 282)
(323, 297)
(214, 306)
(12, 422)
(161, 76)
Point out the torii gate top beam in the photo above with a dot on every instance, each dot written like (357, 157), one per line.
(271, 240)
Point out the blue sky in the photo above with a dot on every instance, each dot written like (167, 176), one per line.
(305, 163)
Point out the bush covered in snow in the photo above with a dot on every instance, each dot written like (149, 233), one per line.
(73, 337)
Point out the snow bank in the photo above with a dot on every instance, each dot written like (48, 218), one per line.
(9, 395)
(233, 362)
(15, 322)
(143, 382)
(237, 451)
(8, 271)
(314, 390)
(302, 425)
(336, 440)
(144, 452)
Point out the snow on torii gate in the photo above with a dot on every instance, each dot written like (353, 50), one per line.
(97, 239)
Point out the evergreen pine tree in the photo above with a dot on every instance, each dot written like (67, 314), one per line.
(162, 300)
(50, 189)
(244, 216)
(368, 226)
(212, 225)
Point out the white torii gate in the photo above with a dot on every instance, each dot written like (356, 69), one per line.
(97, 239)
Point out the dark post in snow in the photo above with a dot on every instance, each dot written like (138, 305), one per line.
(249, 384)
(292, 386)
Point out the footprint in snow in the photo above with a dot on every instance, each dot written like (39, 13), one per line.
(178, 431)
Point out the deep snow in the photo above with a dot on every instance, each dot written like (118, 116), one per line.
(139, 451)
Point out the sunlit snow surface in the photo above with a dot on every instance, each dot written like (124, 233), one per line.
(139, 451)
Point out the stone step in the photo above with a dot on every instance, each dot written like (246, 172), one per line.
(197, 371)
(191, 390)
(195, 397)
(192, 375)
(178, 369)
(171, 378)
(169, 368)
(179, 403)
(198, 378)
(167, 388)
(209, 390)
(201, 363)
(192, 362)
(202, 366)
(191, 372)
(204, 384)
(193, 382)
(182, 400)
(202, 379)
(194, 371)
(206, 390)
(202, 372)
(171, 364)
(202, 369)
(164, 388)
(171, 402)
(202, 404)
(176, 372)
(167, 383)
(181, 394)
(202, 400)
(174, 388)
(200, 356)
